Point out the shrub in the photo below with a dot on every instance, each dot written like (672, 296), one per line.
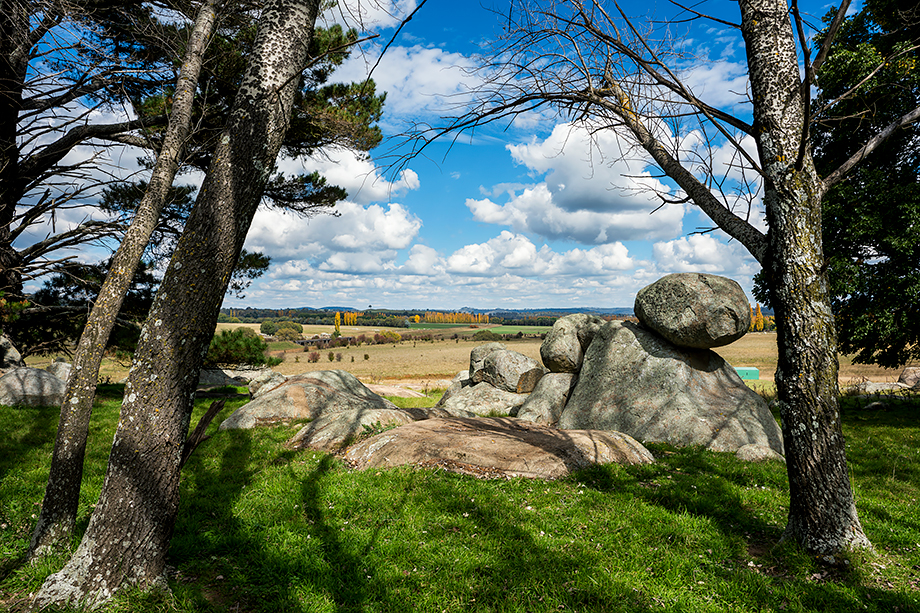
(239, 346)
(313, 357)
(268, 328)
(486, 335)
(338, 357)
(331, 356)
(367, 357)
(288, 334)
(292, 325)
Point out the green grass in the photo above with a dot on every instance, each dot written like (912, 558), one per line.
(266, 528)
(283, 346)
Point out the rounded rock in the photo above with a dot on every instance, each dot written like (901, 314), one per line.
(695, 310)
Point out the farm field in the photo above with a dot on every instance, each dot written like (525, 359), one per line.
(431, 363)
(442, 359)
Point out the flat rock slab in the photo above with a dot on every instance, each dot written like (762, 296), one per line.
(334, 431)
(496, 447)
(394, 390)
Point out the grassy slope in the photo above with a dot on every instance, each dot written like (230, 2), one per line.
(266, 528)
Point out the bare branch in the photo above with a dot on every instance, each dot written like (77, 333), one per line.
(870, 146)
(831, 35)
(733, 225)
(56, 151)
(81, 234)
(704, 16)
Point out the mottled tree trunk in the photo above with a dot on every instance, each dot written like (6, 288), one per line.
(128, 534)
(14, 28)
(822, 513)
(59, 507)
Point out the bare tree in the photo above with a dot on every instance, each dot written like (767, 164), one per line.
(588, 61)
(59, 507)
(129, 532)
(58, 69)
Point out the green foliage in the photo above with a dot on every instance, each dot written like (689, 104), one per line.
(288, 334)
(124, 198)
(10, 309)
(268, 327)
(57, 315)
(486, 335)
(239, 346)
(291, 325)
(871, 220)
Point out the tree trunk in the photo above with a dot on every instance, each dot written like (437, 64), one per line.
(822, 513)
(59, 508)
(128, 534)
(13, 25)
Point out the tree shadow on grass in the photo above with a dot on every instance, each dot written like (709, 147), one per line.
(698, 482)
(26, 429)
(212, 548)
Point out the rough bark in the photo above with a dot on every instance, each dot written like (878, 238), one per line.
(822, 512)
(62, 493)
(128, 534)
(14, 27)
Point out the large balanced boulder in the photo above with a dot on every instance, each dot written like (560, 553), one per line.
(546, 403)
(31, 387)
(695, 310)
(495, 447)
(307, 396)
(510, 371)
(635, 382)
(484, 399)
(564, 347)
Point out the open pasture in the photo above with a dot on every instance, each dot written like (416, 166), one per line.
(424, 361)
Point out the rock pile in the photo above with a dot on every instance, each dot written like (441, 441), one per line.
(658, 381)
(498, 382)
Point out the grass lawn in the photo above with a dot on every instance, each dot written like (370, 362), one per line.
(266, 528)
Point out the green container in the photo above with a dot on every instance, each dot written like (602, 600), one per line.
(748, 374)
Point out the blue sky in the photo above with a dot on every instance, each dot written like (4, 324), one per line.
(534, 214)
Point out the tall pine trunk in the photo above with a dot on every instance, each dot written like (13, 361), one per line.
(62, 493)
(129, 533)
(14, 45)
(822, 512)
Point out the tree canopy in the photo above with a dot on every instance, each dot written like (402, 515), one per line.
(872, 220)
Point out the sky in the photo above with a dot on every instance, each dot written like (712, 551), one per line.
(535, 214)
